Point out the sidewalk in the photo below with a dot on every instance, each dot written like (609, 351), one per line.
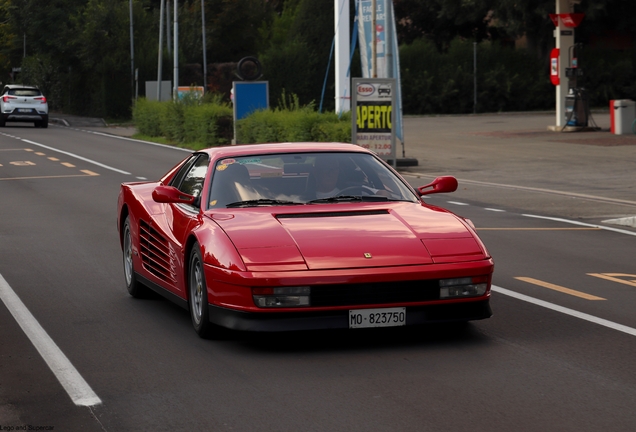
(512, 161)
(91, 123)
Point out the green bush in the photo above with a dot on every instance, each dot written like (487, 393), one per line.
(293, 125)
(191, 122)
(147, 117)
(207, 125)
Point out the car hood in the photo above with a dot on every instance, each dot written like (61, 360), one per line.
(340, 238)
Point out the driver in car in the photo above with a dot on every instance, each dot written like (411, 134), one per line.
(327, 170)
(328, 181)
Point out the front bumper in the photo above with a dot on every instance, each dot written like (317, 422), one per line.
(339, 319)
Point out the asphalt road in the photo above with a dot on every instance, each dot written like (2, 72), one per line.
(558, 355)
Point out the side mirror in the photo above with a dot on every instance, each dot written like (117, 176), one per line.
(170, 194)
(439, 185)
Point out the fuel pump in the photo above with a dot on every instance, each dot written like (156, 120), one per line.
(577, 109)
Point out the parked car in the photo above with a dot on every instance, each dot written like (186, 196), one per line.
(20, 103)
(299, 236)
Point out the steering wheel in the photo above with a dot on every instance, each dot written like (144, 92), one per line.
(355, 190)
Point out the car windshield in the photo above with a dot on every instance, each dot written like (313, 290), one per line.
(304, 178)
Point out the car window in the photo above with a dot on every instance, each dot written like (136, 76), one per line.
(24, 92)
(178, 177)
(192, 182)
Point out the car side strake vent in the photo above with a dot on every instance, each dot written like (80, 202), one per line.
(156, 254)
(332, 214)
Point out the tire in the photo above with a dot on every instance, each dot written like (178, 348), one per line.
(44, 123)
(198, 296)
(3, 122)
(135, 288)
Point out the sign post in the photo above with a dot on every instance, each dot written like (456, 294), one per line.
(372, 115)
(248, 96)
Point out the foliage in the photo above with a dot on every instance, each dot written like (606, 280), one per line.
(608, 75)
(78, 51)
(294, 124)
(147, 116)
(298, 63)
(195, 124)
(443, 83)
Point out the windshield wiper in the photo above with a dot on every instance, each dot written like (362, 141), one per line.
(261, 202)
(352, 198)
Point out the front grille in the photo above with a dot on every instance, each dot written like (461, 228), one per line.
(375, 293)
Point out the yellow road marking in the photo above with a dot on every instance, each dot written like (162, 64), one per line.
(614, 277)
(538, 229)
(28, 149)
(39, 153)
(22, 163)
(67, 164)
(54, 159)
(559, 288)
(90, 173)
(47, 177)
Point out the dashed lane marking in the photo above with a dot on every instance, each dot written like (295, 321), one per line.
(559, 288)
(616, 277)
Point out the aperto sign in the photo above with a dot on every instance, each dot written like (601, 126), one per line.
(372, 116)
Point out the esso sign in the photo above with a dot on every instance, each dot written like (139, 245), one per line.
(366, 89)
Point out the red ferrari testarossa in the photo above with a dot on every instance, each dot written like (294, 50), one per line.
(300, 236)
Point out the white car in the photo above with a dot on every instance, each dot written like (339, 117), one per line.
(21, 103)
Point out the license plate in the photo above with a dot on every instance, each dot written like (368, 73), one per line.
(24, 110)
(383, 317)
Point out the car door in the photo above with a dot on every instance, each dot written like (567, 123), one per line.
(181, 219)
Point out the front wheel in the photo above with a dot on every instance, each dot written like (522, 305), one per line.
(135, 288)
(198, 295)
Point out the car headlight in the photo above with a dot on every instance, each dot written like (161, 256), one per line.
(463, 287)
(281, 296)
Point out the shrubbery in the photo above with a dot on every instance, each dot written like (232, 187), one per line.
(187, 122)
(294, 125)
(200, 125)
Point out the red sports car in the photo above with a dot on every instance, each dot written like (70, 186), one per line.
(300, 236)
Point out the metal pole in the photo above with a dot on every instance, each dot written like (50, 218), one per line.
(175, 85)
(160, 61)
(342, 51)
(475, 76)
(168, 32)
(374, 41)
(132, 51)
(205, 61)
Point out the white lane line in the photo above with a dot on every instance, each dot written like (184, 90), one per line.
(76, 387)
(494, 209)
(618, 230)
(457, 203)
(532, 189)
(76, 156)
(136, 140)
(591, 318)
